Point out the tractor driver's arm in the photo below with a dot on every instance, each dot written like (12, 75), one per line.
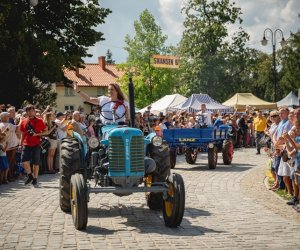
(84, 96)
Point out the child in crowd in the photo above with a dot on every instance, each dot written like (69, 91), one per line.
(3, 158)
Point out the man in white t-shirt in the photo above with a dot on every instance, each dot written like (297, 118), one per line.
(204, 117)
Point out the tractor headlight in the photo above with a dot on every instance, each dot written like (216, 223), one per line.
(93, 142)
(157, 141)
(210, 145)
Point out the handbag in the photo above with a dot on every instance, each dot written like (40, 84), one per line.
(45, 144)
(265, 141)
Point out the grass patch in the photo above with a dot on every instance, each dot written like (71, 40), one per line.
(280, 192)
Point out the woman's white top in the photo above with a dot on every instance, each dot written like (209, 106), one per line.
(106, 110)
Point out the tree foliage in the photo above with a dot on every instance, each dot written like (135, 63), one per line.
(212, 61)
(37, 42)
(150, 83)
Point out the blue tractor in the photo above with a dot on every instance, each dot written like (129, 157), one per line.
(122, 162)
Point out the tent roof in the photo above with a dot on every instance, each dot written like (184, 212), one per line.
(290, 100)
(193, 104)
(163, 104)
(241, 100)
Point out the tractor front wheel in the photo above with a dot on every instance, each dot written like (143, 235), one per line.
(79, 200)
(173, 155)
(174, 204)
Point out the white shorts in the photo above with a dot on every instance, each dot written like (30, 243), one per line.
(53, 144)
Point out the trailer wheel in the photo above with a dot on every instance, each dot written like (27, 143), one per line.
(191, 155)
(79, 207)
(227, 152)
(174, 204)
(212, 157)
(173, 155)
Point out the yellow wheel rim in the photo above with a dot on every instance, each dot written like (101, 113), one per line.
(73, 203)
(169, 205)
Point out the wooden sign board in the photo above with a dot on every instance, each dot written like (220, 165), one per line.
(160, 61)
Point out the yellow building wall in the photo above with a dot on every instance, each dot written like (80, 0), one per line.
(75, 100)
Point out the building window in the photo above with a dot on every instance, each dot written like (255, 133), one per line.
(101, 91)
(69, 91)
(69, 107)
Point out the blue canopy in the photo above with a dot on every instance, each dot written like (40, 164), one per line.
(193, 104)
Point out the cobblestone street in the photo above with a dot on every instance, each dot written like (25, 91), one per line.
(226, 208)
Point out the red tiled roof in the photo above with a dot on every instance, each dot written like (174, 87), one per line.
(93, 75)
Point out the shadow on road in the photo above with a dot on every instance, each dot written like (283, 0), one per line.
(144, 220)
(219, 168)
(45, 181)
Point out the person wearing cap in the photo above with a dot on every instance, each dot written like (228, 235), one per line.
(115, 101)
(12, 142)
(32, 129)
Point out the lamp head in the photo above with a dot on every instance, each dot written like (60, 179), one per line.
(34, 2)
(264, 41)
(283, 43)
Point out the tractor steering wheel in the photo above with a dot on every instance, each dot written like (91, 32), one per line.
(107, 114)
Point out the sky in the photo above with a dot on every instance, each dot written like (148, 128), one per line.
(257, 15)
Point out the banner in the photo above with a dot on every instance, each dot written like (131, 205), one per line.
(160, 61)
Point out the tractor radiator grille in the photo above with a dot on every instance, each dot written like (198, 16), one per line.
(117, 154)
(137, 154)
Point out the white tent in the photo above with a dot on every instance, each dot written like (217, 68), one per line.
(291, 100)
(163, 104)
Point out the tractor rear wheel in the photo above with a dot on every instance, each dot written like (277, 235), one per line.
(161, 156)
(69, 163)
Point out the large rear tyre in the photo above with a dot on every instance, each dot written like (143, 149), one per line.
(190, 155)
(161, 156)
(173, 206)
(79, 200)
(173, 155)
(69, 163)
(212, 157)
(154, 201)
(227, 151)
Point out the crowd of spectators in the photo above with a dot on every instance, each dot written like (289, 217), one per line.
(277, 132)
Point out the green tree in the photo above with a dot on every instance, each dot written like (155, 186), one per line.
(37, 42)
(150, 83)
(108, 58)
(290, 66)
(213, 62)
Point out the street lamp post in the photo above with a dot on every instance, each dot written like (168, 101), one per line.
(274, 35)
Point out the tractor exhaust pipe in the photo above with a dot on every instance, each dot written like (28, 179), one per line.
(131, 102)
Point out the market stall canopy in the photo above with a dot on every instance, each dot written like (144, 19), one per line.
(193, 104)
(241, 100)
(163, 104)
(291, 100)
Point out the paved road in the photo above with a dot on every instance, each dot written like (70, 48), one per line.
(227, 208)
